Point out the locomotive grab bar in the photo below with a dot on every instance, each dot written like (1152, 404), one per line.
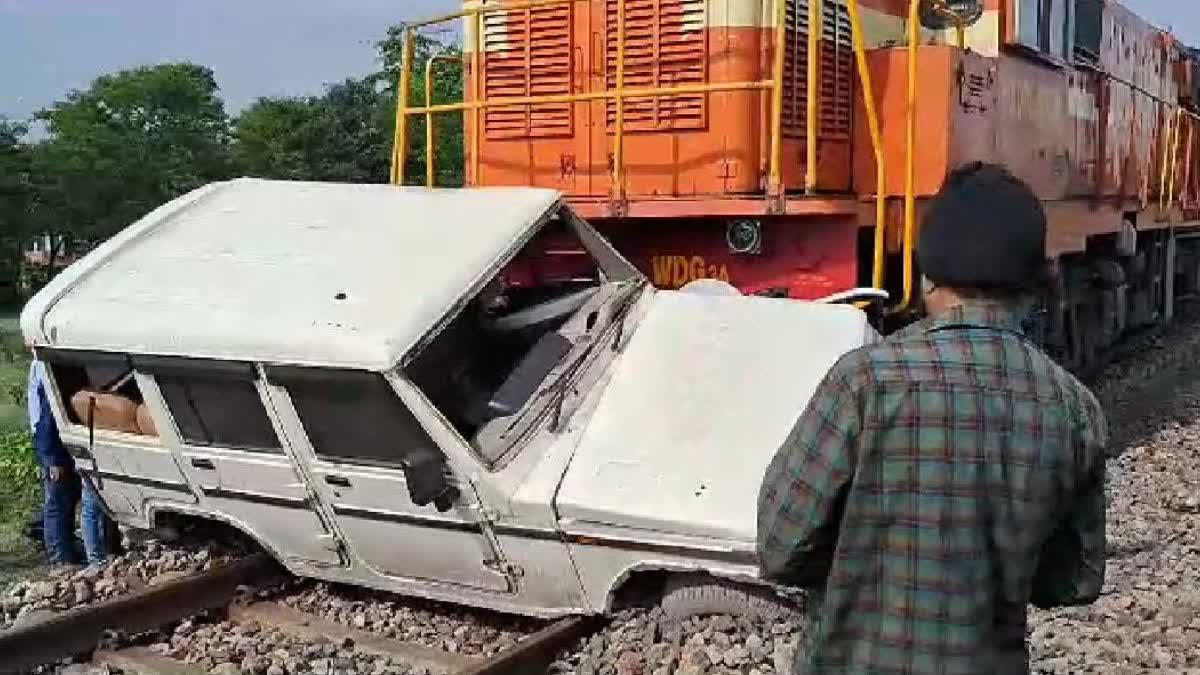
(910, 159)
(864, 77)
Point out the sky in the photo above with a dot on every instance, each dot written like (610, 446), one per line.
(256, 47)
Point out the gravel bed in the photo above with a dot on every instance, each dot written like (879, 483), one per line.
(143, 564)
(636, 643)
(451, 628)
(225, 648)
(1148, 619)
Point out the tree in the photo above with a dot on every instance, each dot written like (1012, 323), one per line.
(347, 134)
(16, 203)
(129, 143)
(341, 136)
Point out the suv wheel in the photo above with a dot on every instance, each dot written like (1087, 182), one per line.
(686, 596)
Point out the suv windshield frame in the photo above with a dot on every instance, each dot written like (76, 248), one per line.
(494, 450)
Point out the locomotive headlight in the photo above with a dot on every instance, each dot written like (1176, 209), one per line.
(744, 237)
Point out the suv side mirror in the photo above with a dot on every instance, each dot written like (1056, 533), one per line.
(426, 476)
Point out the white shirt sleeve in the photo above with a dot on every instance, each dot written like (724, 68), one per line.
(36, 377)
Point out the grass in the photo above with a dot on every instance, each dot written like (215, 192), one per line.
(19, 489)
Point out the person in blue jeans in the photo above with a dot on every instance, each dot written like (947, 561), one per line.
(64, 489)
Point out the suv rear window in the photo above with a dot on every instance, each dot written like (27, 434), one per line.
(352, 416)
(98, 389)
(214, 404)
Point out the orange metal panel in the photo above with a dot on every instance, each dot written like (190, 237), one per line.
(889, 68)
(689, 145)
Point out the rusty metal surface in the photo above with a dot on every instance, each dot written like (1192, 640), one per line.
(535, 653)
(77, 631)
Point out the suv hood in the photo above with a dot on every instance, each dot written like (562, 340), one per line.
(705, 393)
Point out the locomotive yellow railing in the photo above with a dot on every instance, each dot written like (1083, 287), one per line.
(775, 85)
(619, 95)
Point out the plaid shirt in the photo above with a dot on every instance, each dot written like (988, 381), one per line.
(938, 482)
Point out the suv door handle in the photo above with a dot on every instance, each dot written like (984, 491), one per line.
(340, 481)
(201, 463)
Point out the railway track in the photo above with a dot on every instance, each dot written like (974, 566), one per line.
(81, 634)
(1138, 388)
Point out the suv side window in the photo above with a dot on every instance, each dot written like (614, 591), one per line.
(214, 404)
(98, 390)
(352, 416)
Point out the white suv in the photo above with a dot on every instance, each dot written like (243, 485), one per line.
(465, 395)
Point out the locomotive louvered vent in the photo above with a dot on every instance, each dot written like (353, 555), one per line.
(837, 71)
(665, 46)
(528, 53)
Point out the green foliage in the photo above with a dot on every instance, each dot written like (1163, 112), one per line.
(347, 133)
(19, 494)
(129, 143)
(16, 202)
(447, 88)
(138, 138)
(341, 136)
(19, 485)
(18, 468)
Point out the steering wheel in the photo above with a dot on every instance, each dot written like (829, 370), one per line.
(542, 314)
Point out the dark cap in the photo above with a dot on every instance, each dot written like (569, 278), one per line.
(986, 229)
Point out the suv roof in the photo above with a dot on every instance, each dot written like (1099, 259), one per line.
(306, 273)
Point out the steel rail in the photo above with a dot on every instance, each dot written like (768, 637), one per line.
(535, 653)
(78, 631)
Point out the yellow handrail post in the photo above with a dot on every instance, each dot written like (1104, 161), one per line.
(400, 151)
(815, 34)
(775, 183)
(430, 152)
(1168, 127)
(1174, 157)
(864, 76)
(910, 160)
(1187, 163)
(430, 148)
(477, 117)
(618, 172)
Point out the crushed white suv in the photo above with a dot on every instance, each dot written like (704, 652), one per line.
(464, 395)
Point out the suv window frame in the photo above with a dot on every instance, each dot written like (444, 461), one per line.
(613, 267)
(212, 370)
(284, 376)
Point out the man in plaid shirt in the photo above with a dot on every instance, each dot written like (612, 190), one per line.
(945, 478)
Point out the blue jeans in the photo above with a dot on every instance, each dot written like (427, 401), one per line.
(58, 521)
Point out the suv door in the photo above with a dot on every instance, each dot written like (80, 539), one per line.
(233, 454)
(357, 435)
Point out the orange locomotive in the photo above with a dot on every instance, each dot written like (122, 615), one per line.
(702, 150)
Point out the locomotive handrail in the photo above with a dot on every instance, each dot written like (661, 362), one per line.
(1187, 164)
(816, 31)
(620, 94)
(1174, 157)
(1169, 117)
(430, 148)
(872, 110)
(775, 188)
(910, 159)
